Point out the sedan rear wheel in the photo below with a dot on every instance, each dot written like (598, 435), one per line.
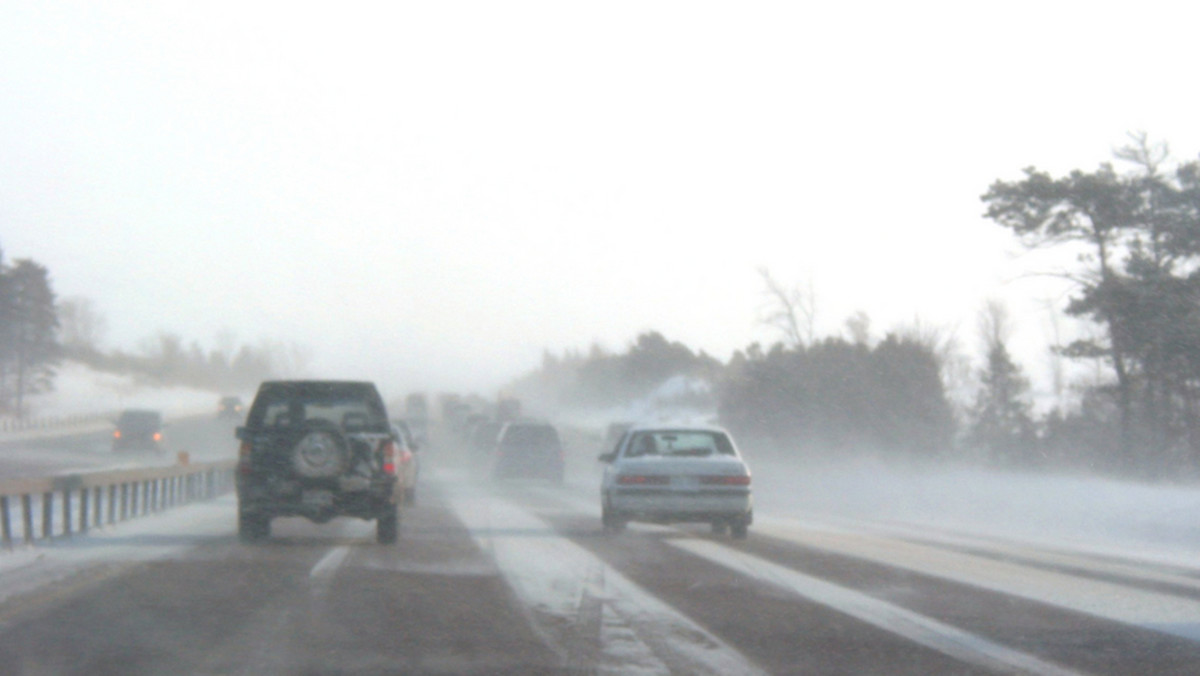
(718, 527)
(740, 529)
(613, 523)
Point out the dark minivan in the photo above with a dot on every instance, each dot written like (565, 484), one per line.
(138, 429)
(529, 450)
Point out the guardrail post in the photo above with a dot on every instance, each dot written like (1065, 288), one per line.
(47, 515)
(98, 495)
(112, 503)
(83, 510)
(66, 502)
(4, 514)
(27, 507)
(128, 500)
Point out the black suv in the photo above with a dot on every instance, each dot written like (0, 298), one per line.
(317, 449)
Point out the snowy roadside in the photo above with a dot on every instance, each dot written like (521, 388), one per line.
(112, 548)
(1083, 514)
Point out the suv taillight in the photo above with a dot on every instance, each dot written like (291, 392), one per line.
(244, 457)
(390, 456)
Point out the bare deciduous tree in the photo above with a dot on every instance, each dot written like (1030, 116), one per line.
(791, 310)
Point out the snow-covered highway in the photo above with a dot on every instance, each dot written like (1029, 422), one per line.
(520, 578)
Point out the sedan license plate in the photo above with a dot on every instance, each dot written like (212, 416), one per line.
(317, 498)
(687, 484)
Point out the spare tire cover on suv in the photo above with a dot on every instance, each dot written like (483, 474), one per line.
(320, 453)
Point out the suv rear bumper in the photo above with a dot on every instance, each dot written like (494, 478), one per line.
(356, 497)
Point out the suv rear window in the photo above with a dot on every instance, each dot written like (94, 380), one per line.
(350, 406)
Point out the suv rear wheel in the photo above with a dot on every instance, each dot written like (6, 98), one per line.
(387, 526)
(253, 527)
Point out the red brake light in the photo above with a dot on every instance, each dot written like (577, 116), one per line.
(389, 457)
(739, 480)
(643, 480)
(158, 436)
(244, 457)
(116, 434)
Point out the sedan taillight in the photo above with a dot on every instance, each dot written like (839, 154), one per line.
(643, 480)
(738, 480)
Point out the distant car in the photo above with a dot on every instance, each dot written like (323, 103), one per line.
(409, 465)
(482, 442)
(528, 450)
(318, 449)
(138, 429)
(230, 407)
(670, 475)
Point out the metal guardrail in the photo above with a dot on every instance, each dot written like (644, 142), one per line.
(8, 424)
(94, 499)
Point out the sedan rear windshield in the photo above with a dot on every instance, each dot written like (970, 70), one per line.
(686, 443)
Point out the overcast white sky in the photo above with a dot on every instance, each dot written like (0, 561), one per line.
(430, 194)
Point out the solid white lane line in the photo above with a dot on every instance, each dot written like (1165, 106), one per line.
(1152, 610)
(329, 563)
(1058, 554)
(555, 576)
(902, 622)
(1099, 562)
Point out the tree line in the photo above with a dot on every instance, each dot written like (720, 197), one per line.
(835, 395)
(1136, 236)
(29, 348)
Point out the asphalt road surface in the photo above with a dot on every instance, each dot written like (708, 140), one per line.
(519, 578)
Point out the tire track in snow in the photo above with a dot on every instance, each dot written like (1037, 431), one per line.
(1156, 611)
(592, 611)
(917, 628)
